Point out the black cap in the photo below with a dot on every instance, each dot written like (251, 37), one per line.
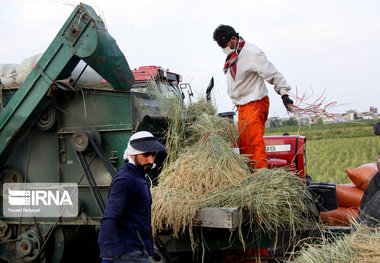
(147, 144)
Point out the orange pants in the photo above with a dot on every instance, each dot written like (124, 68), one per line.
(251, 122)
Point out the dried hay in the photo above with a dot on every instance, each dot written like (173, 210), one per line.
(206, 124)
(171, 105)
(200, 168)
(208, 164)
(204, 171)
(199, 107)
(172, 209)
(275, 199)
(215, 176)
(362, 245)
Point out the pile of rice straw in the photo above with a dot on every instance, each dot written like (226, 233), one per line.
(203, 166)
(207, 175)
(362, 245)
(204, 171)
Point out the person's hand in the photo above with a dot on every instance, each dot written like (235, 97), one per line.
(287, 102)
(107, 260)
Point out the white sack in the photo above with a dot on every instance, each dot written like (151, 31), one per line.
(8, 73)
(26, 66)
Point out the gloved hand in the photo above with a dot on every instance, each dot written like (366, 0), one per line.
(287, 102)
(107, 260)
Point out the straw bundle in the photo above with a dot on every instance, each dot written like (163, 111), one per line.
(208, 164)
(275, 199)
(204, 171)
(363, 245)
(206, 124)
(172, 209)
(171, 105)
(199, 107)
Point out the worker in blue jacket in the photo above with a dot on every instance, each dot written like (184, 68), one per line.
(125, 228)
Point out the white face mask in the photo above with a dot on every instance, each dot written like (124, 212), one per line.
(228, 51)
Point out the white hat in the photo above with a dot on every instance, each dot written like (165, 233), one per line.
(142, 142)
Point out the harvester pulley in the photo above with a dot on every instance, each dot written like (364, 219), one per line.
(80, 142)
(47, 119)
(29, 245)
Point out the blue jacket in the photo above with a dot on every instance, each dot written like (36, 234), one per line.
(127, 215)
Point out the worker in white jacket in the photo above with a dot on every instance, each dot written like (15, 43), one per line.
(247, 68)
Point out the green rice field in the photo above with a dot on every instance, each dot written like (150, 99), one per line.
(332, 148)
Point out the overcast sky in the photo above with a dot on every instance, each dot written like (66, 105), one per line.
(324, 47)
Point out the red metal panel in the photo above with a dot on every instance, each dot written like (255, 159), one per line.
(290, 148)
(145, 73)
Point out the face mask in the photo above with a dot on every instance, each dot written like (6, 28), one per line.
(228, 50)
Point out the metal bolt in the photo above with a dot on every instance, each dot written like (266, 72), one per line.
(25, 247)
(79, 140)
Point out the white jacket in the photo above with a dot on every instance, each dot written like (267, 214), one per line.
(253, 68)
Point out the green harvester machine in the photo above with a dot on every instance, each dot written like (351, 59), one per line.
(53, 132)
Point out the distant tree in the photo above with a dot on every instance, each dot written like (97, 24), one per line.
(274, 123)
(290, 122)
(355, 116)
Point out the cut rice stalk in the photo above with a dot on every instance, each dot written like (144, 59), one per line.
(362, 245)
